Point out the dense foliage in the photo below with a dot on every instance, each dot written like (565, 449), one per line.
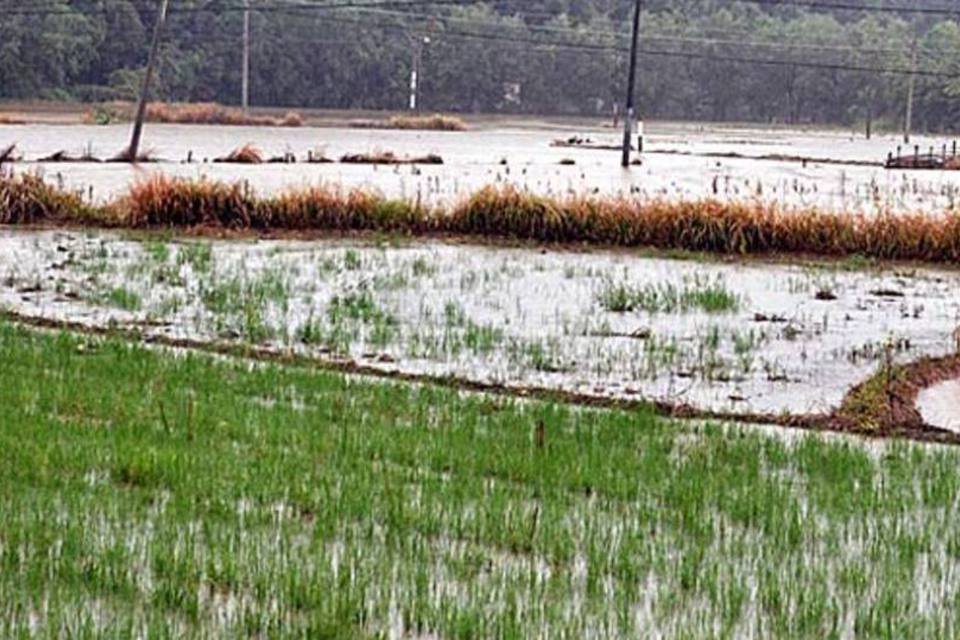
(535, 56)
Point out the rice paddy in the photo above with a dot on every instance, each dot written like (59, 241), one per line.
(742, 339)
(146, 493)
(444, 400)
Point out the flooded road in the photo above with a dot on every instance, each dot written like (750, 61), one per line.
(672, 167)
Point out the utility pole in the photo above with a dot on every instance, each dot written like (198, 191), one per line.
(416, 72)
(134, 149)
(631, 113)
(245, 101)
(911, 88)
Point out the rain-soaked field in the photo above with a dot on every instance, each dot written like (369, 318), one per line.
(476, 158)
(155, 492)
(731, 337)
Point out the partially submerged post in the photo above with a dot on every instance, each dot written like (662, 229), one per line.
(133, 150)
(631, 87)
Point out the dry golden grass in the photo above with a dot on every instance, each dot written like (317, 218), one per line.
(194, 113)
(27, 199)
(435, 122)
(706, 225)
(160, 201)
(6, 118)
(211, 113)
(247, 154)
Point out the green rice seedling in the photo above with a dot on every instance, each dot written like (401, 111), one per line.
(352, 260)
(123, 298)
(697, 293)
(161, 494)
(197, 255)
(359, 306)
(421, 267)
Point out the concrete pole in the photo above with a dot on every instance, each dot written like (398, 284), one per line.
(631, 113)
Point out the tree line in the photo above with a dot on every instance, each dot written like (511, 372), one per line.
(701, 59)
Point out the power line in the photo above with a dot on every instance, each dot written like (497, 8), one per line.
(376, 7)
(850, 6)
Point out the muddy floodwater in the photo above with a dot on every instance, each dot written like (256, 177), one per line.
(940, 405)
(676, 165)
(740, 338)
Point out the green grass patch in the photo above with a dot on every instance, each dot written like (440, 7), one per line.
(696, 294)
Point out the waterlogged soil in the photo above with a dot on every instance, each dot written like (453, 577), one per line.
(738, 338)
(682, 163)
(940, 405)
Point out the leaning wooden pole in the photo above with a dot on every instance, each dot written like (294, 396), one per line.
(133, 151)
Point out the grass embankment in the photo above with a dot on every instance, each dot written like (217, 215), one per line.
(200, 113)
(435, 122)
(739, 228)
(886, 403)
(149, 494)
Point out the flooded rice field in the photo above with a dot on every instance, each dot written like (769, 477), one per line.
(680, 162)
(738, 338)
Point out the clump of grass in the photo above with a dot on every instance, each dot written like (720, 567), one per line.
(739, 228)
(163, 201)
(27, 198)
(389, 157)
(198, 255)
(435, 122)
(198, 113)
(695, 294)
(329, 208)
(123, 298)
(247, 154)
(290, 119)
(6, 118)
(360, 307)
